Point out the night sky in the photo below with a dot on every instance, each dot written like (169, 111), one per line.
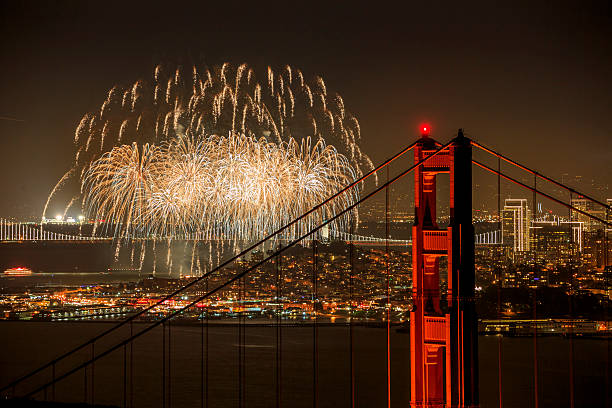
(532, 81)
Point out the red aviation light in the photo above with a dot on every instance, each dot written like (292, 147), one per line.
(425, 129)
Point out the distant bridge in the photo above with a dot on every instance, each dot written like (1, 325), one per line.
(27, 231)
(488, 238)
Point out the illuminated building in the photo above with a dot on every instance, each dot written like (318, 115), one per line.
(516, 219)
(549, 237)
(590, 207)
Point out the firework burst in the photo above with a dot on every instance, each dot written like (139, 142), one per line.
(233, 187)
(212, 154)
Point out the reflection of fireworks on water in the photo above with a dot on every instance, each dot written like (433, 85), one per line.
(215, 154)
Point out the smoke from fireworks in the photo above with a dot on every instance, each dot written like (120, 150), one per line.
(215, 154)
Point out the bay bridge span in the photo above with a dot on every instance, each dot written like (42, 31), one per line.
(30, 232)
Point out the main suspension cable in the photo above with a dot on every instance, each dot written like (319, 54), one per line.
(218, 267)
(256, 265)
(536, 173)
(484, 166)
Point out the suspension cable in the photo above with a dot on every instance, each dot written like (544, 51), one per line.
(256, 265)
(537, 174)
(218, 267)
(484, 166)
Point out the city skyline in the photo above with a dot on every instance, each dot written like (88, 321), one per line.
(303, 205)
(38, 123)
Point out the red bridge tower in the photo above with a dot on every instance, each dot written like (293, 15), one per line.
(443, 344)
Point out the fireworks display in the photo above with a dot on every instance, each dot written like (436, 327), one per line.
(234, 187)
(214, 154)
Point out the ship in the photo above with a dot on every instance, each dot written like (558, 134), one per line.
(19, 271)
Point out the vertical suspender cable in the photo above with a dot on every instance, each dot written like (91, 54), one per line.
(202, 400)
(351, 300)
(204, 351)
(607, 270)
(131, 365)
(169, 363)
(125, 375)
(207, 349)
(164, 365)
(315, 334)
(93, 352)
(244, 349)
(239, 342)
(388, 293)
(278, 331)
(571, 306)
(53, 384)
(535, 308)
(85, 384)
(241, 322)
(499, 285)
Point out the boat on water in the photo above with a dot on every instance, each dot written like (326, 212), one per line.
(19, 271)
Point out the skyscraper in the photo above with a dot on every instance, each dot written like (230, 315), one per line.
(516, 220)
